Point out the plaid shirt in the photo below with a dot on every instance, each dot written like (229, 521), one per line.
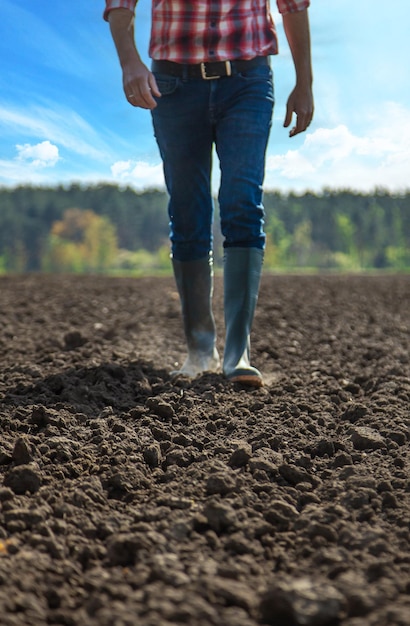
(211, 30)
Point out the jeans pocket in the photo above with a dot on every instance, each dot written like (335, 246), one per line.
(261, 72)
(166, 84)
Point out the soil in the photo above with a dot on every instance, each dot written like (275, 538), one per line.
(128, 498)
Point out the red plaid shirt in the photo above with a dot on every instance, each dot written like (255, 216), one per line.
(211, 30)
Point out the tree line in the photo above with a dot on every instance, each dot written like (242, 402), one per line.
(106, 228)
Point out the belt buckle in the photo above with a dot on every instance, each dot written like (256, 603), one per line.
(228, 71)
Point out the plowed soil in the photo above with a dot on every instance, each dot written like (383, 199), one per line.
(131, 499)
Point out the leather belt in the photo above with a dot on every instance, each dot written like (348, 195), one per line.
(209, 70)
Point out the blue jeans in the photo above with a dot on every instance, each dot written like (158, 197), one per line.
(234, 114)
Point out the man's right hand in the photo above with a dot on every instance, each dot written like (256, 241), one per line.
(140, 86)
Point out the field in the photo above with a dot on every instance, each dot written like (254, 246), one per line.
(130, 499)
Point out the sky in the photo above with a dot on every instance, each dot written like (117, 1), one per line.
(64, 118)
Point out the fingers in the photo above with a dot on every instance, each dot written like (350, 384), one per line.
(302, 123)
(141, 97)
(288, 117)
(141, 91)
(300, 103)
(153, 86)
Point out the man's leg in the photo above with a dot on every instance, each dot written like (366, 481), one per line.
(184, 137)
(241, 139)
(194, 280)
(242, 272)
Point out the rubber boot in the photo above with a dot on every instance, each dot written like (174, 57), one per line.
(242, 272)
(194, 280)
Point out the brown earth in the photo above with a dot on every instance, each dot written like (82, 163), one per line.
(130, 499)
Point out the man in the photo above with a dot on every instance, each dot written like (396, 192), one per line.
(211, 84)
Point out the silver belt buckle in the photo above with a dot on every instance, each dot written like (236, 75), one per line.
(204, 75)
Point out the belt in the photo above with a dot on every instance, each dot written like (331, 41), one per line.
(208, 70)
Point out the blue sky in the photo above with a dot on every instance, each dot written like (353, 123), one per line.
(63, 117)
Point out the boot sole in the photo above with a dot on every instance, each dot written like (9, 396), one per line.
(249, 380)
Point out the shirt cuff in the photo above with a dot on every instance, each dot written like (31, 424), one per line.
(292, 6)
(118, 4)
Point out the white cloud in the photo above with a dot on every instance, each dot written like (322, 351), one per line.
(377, 156)
(59, 124)
(139, 174)
(31, 165)
(44, 154)
(291, 165)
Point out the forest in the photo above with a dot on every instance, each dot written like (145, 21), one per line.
(116, 230)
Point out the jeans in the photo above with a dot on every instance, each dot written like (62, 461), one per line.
(234, 114)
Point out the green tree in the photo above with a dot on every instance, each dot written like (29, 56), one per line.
(348, 230)
(302, 243)
(81, 242)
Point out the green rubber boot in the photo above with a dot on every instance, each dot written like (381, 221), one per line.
(242, 272)
(194, 280)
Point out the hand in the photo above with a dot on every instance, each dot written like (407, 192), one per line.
(299, 102)
(140, 86)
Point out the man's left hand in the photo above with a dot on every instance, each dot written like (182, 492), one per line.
(300, 103)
